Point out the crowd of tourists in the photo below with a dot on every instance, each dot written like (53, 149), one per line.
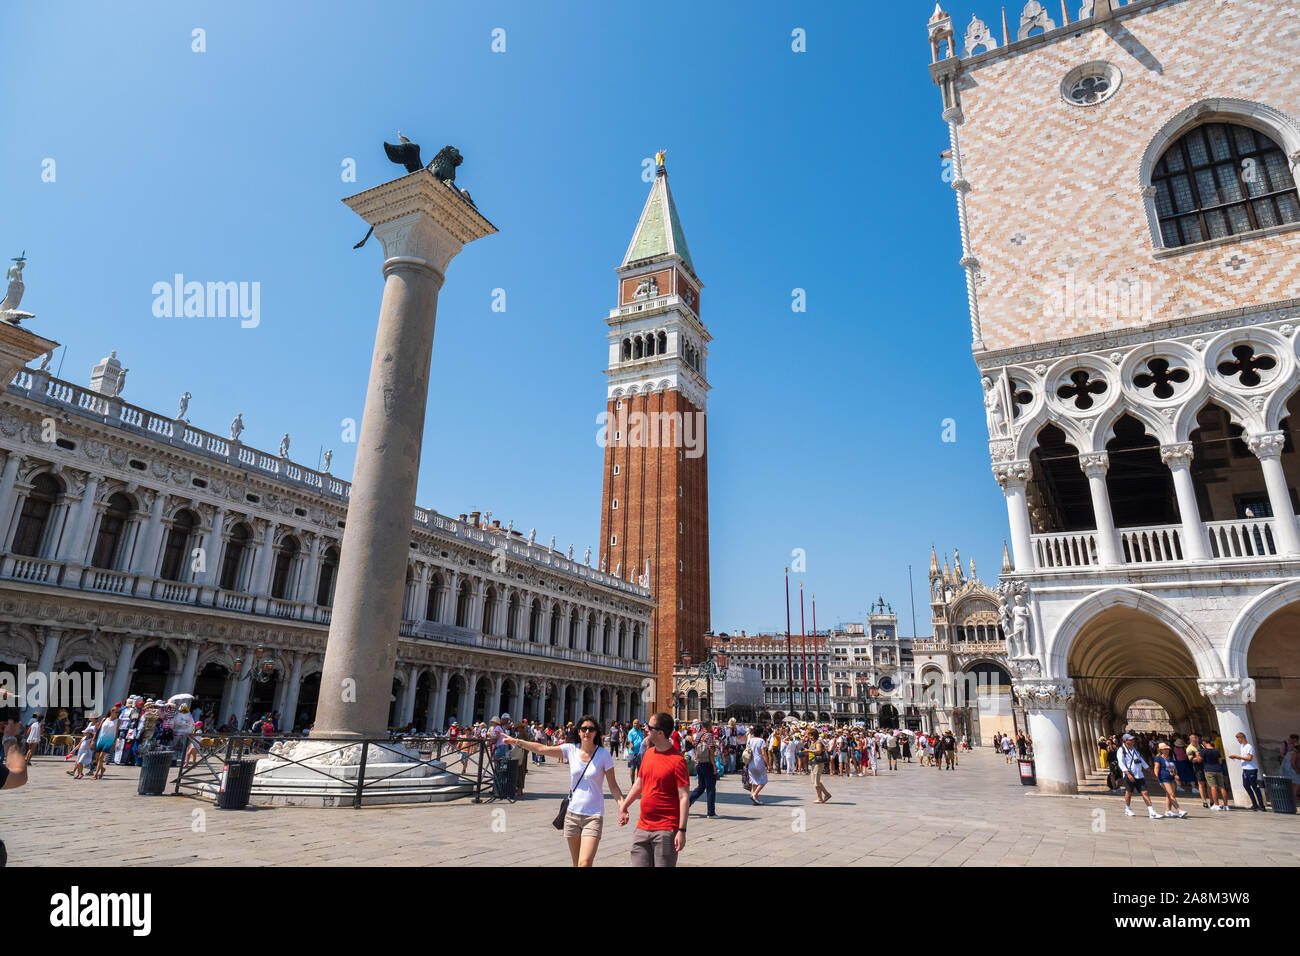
(1196, 766)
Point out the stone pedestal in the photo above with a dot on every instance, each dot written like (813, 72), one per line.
(18, 347)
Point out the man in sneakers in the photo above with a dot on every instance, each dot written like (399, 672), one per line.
(1212, 764)
(1131, 766)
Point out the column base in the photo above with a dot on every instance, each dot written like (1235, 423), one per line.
(327, 771)
(1057, 787)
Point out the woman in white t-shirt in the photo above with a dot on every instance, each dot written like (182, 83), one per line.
(588, 761)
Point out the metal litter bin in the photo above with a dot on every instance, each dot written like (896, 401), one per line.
(505, 773)
(236, 785)
(154, 767)
(1028, 777)
(1281, 796)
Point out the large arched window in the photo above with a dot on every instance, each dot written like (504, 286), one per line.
(1222, 179)
(178, 545)
(284, 556)
(109, 540)
(328, 568)
(36, 515)
(234, 557)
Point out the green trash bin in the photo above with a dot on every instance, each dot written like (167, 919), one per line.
(154, 767)
(236, 785)
(1281, 794)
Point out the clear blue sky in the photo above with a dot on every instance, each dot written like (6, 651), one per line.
(816, 170)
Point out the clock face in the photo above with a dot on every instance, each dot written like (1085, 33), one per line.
(886, 684)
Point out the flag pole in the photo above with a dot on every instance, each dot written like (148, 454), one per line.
(817, 671)
(789, 659)
(803, 637)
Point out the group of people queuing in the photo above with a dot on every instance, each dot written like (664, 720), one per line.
(1194, 765)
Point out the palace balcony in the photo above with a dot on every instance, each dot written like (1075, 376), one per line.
(1242, 539)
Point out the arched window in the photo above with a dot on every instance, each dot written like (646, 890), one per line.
(663, 342)
(591, 633)
(36, 515)
(234, 558)
(650, 344)
(431, 602)
(178, 545)
(284, 556)
(328, 569)
(627, 349)
(604, 645)
(554, 636)
(1219, 180)
(489, 602)
(465, 594)
(636, 642)
(535, 620)
(638, 348)
(573, 630)
(512, 615)
(108, 542)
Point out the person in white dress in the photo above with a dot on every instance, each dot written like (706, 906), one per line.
(757, 765)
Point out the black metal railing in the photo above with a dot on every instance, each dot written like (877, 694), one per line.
(476, 768)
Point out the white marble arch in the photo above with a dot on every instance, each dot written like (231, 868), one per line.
(1055, 659)
(1248, 621)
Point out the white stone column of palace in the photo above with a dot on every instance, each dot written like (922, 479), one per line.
(1228, 697)
(498, 684)
(1046, 704)
(185, 682)
(122, 672)
(1095, 465)
(422, 223)
(49, 651)
(437, 712)
(288, 713)
(1012, 476)
(1076, 743)
(78, 539)
(1179, 459)
(7, 479)
(1267, 447)
(146, 555)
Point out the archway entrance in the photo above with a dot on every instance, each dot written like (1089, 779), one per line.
(422, 691)
(261, 698)
(986, 697)
(1146, 716)
(1273, 662)
(308, 695)
(149, 676)
(208, 688)
(888, 717)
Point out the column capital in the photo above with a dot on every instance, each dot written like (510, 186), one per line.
(1044, 694)
(1177, 455)
(1012, 473)
(1095, 464)
(1266, 445)
(1228, 691)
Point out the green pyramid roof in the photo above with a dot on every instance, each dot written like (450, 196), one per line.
(659, 230)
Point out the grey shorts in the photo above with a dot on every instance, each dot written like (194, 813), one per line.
(654, 848)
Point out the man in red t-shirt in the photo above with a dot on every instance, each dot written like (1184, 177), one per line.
(663, 785)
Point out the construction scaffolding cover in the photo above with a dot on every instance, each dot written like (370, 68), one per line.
(743, 687)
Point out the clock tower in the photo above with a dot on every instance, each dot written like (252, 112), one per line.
(655, 500)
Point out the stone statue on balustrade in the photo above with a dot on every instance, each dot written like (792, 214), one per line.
(532, 536)
(329, 456)
(586, 558)
(185, 406)
(236, 426)
(284, 446)
(9, 311)
(570, 552)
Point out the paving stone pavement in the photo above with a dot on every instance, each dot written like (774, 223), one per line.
(977, 815)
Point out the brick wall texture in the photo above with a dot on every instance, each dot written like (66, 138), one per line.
(1055, 200)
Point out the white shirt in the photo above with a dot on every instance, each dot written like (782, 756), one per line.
(1130, 761)
(34, 734)
(588, 795)
(1248, 755)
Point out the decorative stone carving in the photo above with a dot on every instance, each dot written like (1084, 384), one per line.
(1033, 17)
(1178, 454)
(1015, 617)
(994, 408)
(977, 35)
(1012, 471)
(1229, 692)
(1094, 463)
(236, 426)
(1266, 444)
(1040, 694)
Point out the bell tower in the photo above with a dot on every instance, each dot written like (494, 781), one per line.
(655, 500)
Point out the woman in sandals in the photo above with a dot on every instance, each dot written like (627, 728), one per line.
(757, 766)
(588, 761)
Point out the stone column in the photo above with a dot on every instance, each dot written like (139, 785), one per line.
(1229, 697)
(476, 607)
(288, 708)
(1095, 465)
(406, 710)
(1267, 447)
(78, 535)
(259, 583)
(437, 720)
(185, 683)
(7, 499)
(541, 699)
(49, 651)
(146, 556)
(1179, 459)
(498, 685)
(1012, 476)
(121, 673)
(243, 686)
(307, 585)
(1076, 749)
(560, 715)
(1045, 704)
(212, 551)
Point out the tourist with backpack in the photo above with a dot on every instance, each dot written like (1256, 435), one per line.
(705, 751)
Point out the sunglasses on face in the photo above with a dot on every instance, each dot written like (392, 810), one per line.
(586, 730)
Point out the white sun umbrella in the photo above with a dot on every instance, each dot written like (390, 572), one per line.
(180, 698)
